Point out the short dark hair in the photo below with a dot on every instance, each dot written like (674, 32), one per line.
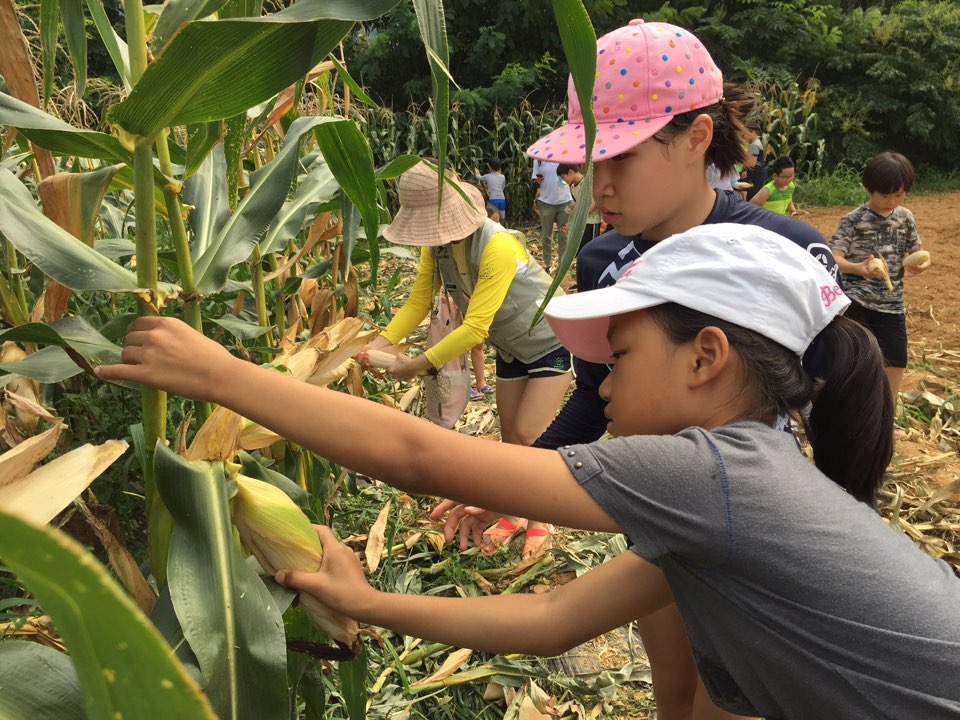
(887, 173)
(494, 163)
(753, 126)
(781, 164)
(564, 168)
(492, 210)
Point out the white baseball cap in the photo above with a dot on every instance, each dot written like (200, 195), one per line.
(743, 274)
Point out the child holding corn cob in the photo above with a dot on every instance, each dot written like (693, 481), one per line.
(881, 230)
(657, 129)
(816, 610)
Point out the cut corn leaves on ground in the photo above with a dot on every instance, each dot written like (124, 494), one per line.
(275, 531)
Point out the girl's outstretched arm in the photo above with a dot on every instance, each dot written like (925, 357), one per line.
(605, 598)
(399, 449)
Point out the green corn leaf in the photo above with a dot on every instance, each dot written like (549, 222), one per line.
(348, 154)
(72, 13)
(59, 137)
(201, 138)
(116, 47)
(241, 8)
(124, 667)
(580, 47)
(55, 251)
(236, 239)
(240, 329)
(177, 13)
(38, 683)
(49, 25)
(52, 364)
(206, 194)
(397, 167)
(47, 365)
(433, 31)
(353, 684)
(317, 188)
(355, 88)
(212, 70)
(234, 626)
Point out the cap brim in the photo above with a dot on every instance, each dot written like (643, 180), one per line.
(581, 321)
(566, 144)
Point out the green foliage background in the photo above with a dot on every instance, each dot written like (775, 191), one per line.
(887, 73)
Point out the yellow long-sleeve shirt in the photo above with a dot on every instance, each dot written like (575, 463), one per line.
(501, 259)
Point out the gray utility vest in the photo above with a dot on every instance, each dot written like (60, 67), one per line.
(510, 331)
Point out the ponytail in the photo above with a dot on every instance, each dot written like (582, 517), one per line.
(851, 423)
(730, 136)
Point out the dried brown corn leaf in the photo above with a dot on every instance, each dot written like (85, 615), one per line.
(218, 438)
(376, 539)
(453, 663)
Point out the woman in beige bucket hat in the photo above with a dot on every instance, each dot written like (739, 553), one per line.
(498, 286)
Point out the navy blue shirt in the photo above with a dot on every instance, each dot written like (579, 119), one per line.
(603, 260)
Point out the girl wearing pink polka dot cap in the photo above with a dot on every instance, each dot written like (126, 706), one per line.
(663, 113)
(647, 73)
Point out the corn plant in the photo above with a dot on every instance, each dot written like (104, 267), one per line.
(208, 147)
(788, 120)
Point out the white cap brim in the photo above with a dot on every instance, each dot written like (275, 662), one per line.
(582, 321)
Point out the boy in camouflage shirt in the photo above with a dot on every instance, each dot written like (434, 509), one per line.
(880, 228)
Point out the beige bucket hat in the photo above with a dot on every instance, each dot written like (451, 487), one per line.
(417, 221)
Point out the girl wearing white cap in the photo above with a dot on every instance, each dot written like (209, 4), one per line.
(663, 113)
(799, 601)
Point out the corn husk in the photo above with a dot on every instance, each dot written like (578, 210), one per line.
(916, 258)
(276, 532)
(879, 264)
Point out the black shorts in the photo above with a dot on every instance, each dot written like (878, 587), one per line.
(555, 362)
(890, 330)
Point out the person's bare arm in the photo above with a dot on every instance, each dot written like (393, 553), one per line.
(383, 443)
(605, 598)
(761, 197)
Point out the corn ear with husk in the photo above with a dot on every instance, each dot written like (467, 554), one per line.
(276, 532)
(919, 257)
(23, 386)
(878, 264)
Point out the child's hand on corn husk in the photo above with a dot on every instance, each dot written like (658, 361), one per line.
(340, 582)
(471, 521)
(870, 269)
(916, 262)
(165, 353)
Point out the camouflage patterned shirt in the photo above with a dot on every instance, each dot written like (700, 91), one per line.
(863, 233)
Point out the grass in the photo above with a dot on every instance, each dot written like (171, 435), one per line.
(843, 186)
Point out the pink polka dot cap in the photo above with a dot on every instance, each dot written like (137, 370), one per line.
(646, 74)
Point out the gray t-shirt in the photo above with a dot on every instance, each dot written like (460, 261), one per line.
(495, 182)
(799, 601)
(863, 233)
